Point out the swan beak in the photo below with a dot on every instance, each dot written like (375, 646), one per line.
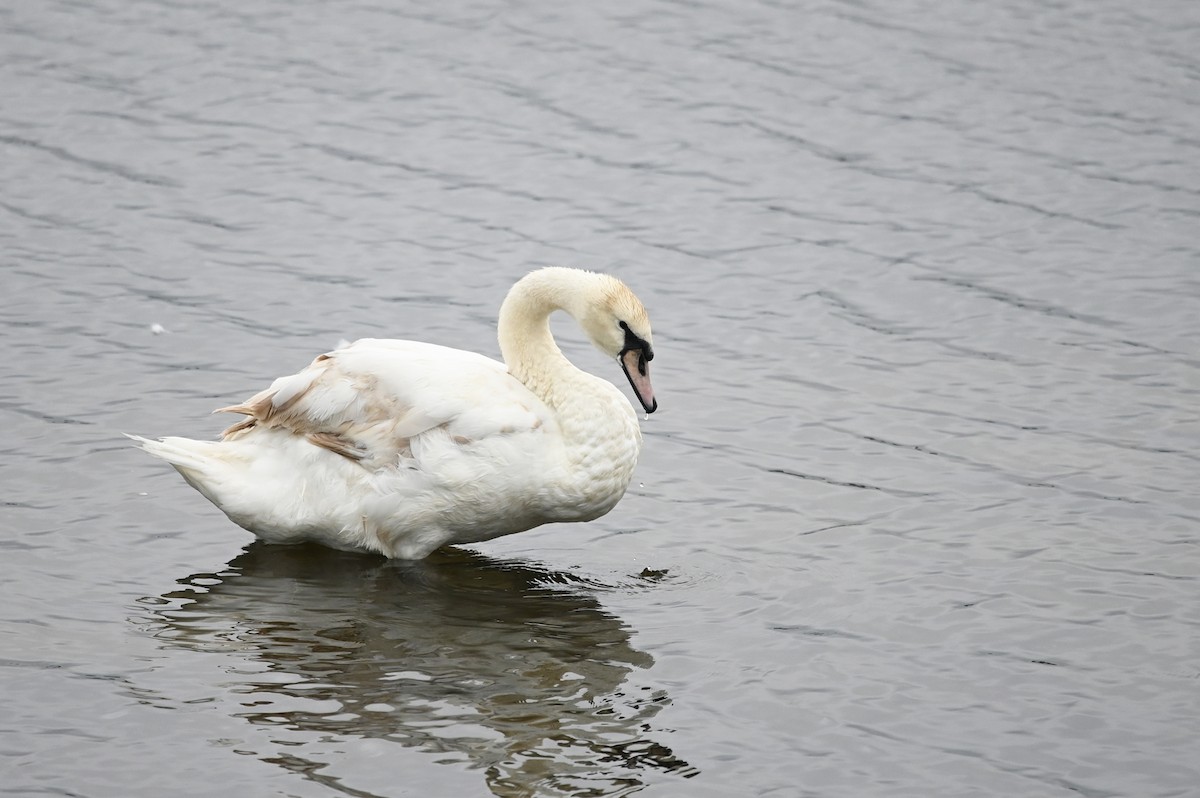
(637, 369)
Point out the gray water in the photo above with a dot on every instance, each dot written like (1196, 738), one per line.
(918, 515)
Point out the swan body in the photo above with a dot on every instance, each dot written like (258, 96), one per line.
(400, 447)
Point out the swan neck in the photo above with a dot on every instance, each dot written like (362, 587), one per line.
(526, 343)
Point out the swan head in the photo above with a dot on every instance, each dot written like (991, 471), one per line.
(618, 325)
(611, 316)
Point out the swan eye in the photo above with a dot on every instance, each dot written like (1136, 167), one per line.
(635, 341)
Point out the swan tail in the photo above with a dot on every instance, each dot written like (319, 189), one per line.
(185, 454)
(263, 487)
(204, 464)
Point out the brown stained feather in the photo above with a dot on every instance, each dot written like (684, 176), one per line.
(336, 444)
(244, 424)
(257, 406)
(352, 440)
(262, 405)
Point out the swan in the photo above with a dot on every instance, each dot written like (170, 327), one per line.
(400, 447)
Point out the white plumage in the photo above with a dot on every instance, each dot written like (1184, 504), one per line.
(400, 447)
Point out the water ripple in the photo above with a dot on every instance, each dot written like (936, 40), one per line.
(917, 516)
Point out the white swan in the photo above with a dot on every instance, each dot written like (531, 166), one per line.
(401, 447)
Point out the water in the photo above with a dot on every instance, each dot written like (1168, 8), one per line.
(918, 515)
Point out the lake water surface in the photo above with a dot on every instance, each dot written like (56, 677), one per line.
(918, 515)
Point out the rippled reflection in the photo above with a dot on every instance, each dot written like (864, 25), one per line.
(502, 666)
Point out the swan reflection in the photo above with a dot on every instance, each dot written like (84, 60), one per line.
(515, 669)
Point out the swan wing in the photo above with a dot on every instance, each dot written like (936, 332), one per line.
(370, 400)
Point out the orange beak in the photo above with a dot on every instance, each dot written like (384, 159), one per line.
(637, 369)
